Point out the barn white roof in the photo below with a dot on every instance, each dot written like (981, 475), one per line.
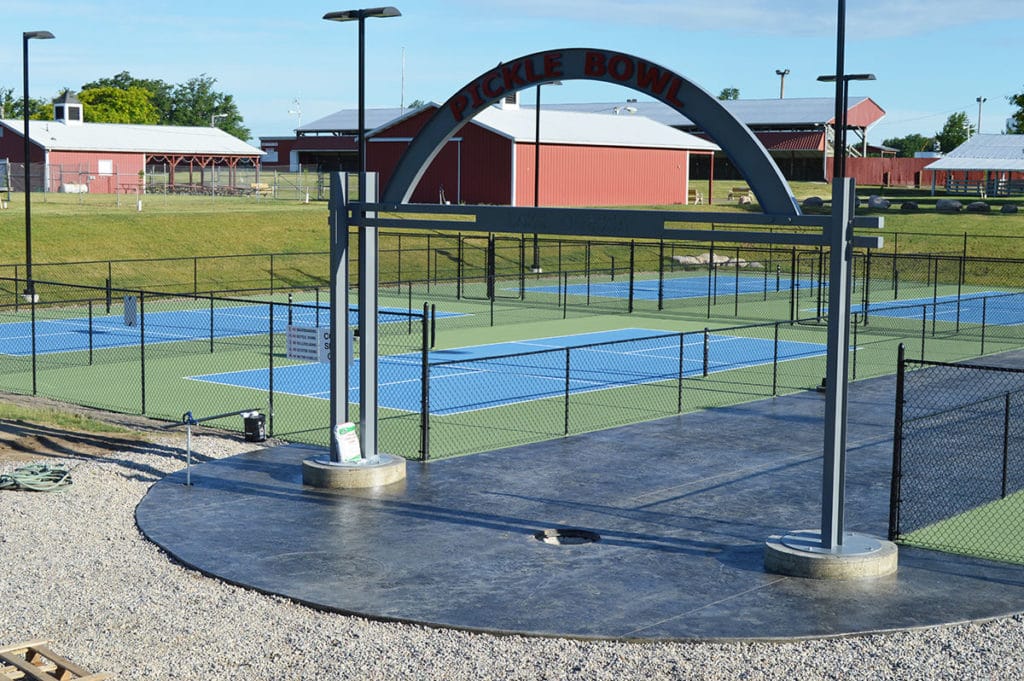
(568, 127)
(798, 112)
(984, 152)
(117, 137)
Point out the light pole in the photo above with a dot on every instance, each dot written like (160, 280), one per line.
(214, 118)
(536, 174)
(30, 289)
(842, 104)
(367, 323)
(782, 73)
(980, 100)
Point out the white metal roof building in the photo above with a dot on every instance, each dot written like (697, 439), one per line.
(68, 154)
(988, 164)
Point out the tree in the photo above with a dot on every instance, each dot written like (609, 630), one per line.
(729, 93)
(195, 103)
(160, 92)
(416, 103)
(1015, 125)
(11, 106)
(908, 145)
(114, 105)
(955, 132)
(192, 103)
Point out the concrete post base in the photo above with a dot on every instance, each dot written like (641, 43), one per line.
(384, 469)
(800, 554)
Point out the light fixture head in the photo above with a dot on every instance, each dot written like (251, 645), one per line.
(356, 14)
(37, 35)
(847, 77)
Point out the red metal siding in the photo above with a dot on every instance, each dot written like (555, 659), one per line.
(12, 147)
(602, 176)
(82, 167)
(473, 167)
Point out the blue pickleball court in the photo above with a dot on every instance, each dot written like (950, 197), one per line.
(693, 286)
(110, 331)
(499, 374)
(992, 307)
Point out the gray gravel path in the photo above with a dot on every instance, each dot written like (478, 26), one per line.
(75, 569)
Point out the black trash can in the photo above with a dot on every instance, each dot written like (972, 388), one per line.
(255, 425)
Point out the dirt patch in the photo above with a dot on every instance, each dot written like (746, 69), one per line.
(24, 441)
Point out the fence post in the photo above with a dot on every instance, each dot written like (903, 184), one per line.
(984, 315)
(195, 276)
(853, 365)
(433, 325)
(270, 374)
(142, 345)
(109, 294)
(632, 272)
(867, 288)
(458, 268)
(565, 295)
(90, 333)
(1006, 441)
(566, 432)
(425, 390)
(679, 398)
(211, 323)
(736, 284)
(897, 447)
(924, 327)
(775, 363)
(707, 350)
(661, 274)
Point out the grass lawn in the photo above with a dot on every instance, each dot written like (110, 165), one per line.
(77, 228)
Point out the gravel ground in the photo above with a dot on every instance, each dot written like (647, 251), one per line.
(75, 569)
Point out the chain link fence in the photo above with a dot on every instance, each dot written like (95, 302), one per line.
(958, 459)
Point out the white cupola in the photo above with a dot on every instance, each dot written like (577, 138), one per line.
(67, 109)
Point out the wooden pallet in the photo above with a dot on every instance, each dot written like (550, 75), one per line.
(35, 661)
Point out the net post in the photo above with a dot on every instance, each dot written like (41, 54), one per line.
(897, 447)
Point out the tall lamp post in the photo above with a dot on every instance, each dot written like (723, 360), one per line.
(30, 289)
(782, 73)
(842, 104)
(980, 100)
(367, 323)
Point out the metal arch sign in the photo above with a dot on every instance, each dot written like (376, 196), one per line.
(746, 151)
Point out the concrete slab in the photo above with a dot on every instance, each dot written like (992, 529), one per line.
(683, 507)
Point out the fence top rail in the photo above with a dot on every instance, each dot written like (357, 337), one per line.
(962, 365)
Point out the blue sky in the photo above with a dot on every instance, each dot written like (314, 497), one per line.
(931, 58)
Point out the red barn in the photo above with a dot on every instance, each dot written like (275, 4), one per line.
(585, 159)
(70, 155)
